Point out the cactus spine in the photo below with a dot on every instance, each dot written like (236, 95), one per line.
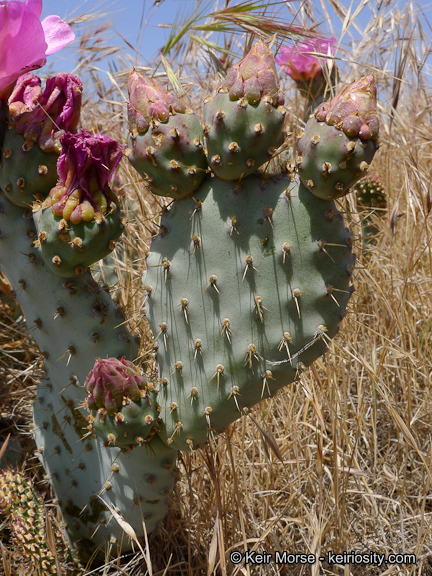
(247, 280)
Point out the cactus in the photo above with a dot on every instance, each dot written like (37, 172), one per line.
(31, 146)
(79, 223)
(121, 402)
(245, 284)
(371, 198)
(248, 317)
(243, 120)
(165, 139)
(27, 520)
(339, 141)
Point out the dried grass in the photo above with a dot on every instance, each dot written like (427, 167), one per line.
(342, 459)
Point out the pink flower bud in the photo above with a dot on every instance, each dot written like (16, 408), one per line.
(43, 117)
(149, 102)
(358, 99)
(254, 77)
(110, 381)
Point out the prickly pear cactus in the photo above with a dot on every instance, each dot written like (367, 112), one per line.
(165, 142)
(339, 141)
(80, 222)
(74, 322)
(121, 402)
(236, 323)
(243, 120)
(31, 145)
(247, 280)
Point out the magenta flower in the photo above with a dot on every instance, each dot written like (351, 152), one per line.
(299, 64)
(85, 167)
(43, 116)
(25, 41)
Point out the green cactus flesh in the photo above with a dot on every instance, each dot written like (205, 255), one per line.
(245, 285)
(74, 321)
(331, 161)
(26, 170)
(240, 136)
(170, 155)
(67, 248)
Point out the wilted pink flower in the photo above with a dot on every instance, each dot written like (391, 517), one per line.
(25, 41)
(43, 117)
(299, 64)
(85, 168)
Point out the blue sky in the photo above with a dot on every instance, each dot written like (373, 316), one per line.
(136, 22)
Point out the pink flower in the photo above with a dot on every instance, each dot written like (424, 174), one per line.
(300, 65)
(25, 41)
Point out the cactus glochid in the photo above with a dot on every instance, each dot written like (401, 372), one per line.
(247, 280)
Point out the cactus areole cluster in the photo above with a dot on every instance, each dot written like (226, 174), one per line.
(246, 282)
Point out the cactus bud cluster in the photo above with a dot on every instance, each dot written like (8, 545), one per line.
(31, 145)
(340, 140)
(165, 142)
(122, 404)
(79, 223)
(243, 120)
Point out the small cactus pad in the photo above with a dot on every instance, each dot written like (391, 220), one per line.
(80, 222)
(123, 409)
(236, 323)
(165, 142)
(339, 141)
(31, 145)
(371, 194)
(243, 121)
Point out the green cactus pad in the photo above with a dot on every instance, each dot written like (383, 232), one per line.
(26, 170)
(371, 194)
(74, 322)
(240, 136)
(68, 249)
(170, 156)
(330, 162)
(130, 426)
(244, 286)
